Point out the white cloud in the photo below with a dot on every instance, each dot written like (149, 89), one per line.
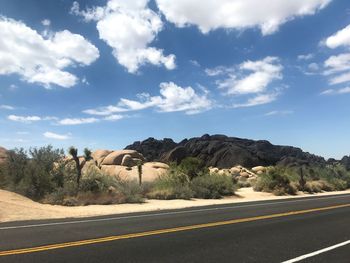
(260, 99)
(129, 27)
(46, 22)
(337, 63)
(306, 56)
(24, 119)
(209, 15)
(114, 117)
(6, 107)
(76, 121)
(172, 98)
(56, 136)
(279, 112)
(341, 38)
(260, 74)
(336, 91)
(41, 60)
(338, 67)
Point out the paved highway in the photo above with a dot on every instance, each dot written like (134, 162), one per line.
(315, 229)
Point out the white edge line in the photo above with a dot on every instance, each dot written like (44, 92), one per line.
(165, 213)
(317, 252)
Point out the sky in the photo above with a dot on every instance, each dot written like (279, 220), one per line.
(106, 73)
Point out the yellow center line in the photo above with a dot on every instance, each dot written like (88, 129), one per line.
(163, 231)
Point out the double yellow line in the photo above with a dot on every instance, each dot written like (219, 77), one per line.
(163, 231)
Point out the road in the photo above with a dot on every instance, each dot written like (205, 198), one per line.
(315, 229)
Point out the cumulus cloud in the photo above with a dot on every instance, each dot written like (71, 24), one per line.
(209, 15)
(56, 136)
(76, 121)
(252, 76)
(340, 38)
(42, 60)
(172, 98)
(24, 119)
(129, 28)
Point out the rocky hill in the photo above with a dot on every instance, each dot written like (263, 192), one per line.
(224, 152)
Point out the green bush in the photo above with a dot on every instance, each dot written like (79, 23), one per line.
(173, 185)
(274, 181)
(32, 174)
(212, 186)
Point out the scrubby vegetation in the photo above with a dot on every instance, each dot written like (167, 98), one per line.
(46, 175)
(190, 179)
(311, 179)
(43, 174)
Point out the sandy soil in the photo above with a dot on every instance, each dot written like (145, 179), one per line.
(14, 207)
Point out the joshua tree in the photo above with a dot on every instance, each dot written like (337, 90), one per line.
(139, 170)
(74, 153)
(87, 154)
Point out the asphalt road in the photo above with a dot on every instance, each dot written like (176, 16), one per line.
(266, 231)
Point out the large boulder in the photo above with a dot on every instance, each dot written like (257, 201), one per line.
(3, 154)
(116, 157)
(128, 161)
(258, 169)
(150, 171)
(99, 156)
(89, 166)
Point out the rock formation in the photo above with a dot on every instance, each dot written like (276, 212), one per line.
(124, 165)
(223, 152)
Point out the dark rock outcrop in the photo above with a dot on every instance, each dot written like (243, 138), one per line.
(224, 152)
(175, 155)
(346, 162)
(153, 149)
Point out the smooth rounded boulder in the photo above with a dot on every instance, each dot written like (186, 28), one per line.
(100, 155)
(116, 157)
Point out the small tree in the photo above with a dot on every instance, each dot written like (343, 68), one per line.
(74, 153)
(87, 154)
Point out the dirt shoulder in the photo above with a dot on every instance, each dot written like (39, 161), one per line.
(14, 207)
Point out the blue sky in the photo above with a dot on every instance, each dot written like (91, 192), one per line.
(102, 74)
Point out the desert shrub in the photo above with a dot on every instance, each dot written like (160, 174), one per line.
(172, 185)
(318, 186)
(274, 181)
(192, 167)
(212, 186)
(96, 182)
(130, 192)
(32, 174)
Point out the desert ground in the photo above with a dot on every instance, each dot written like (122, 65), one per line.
(14, 207)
